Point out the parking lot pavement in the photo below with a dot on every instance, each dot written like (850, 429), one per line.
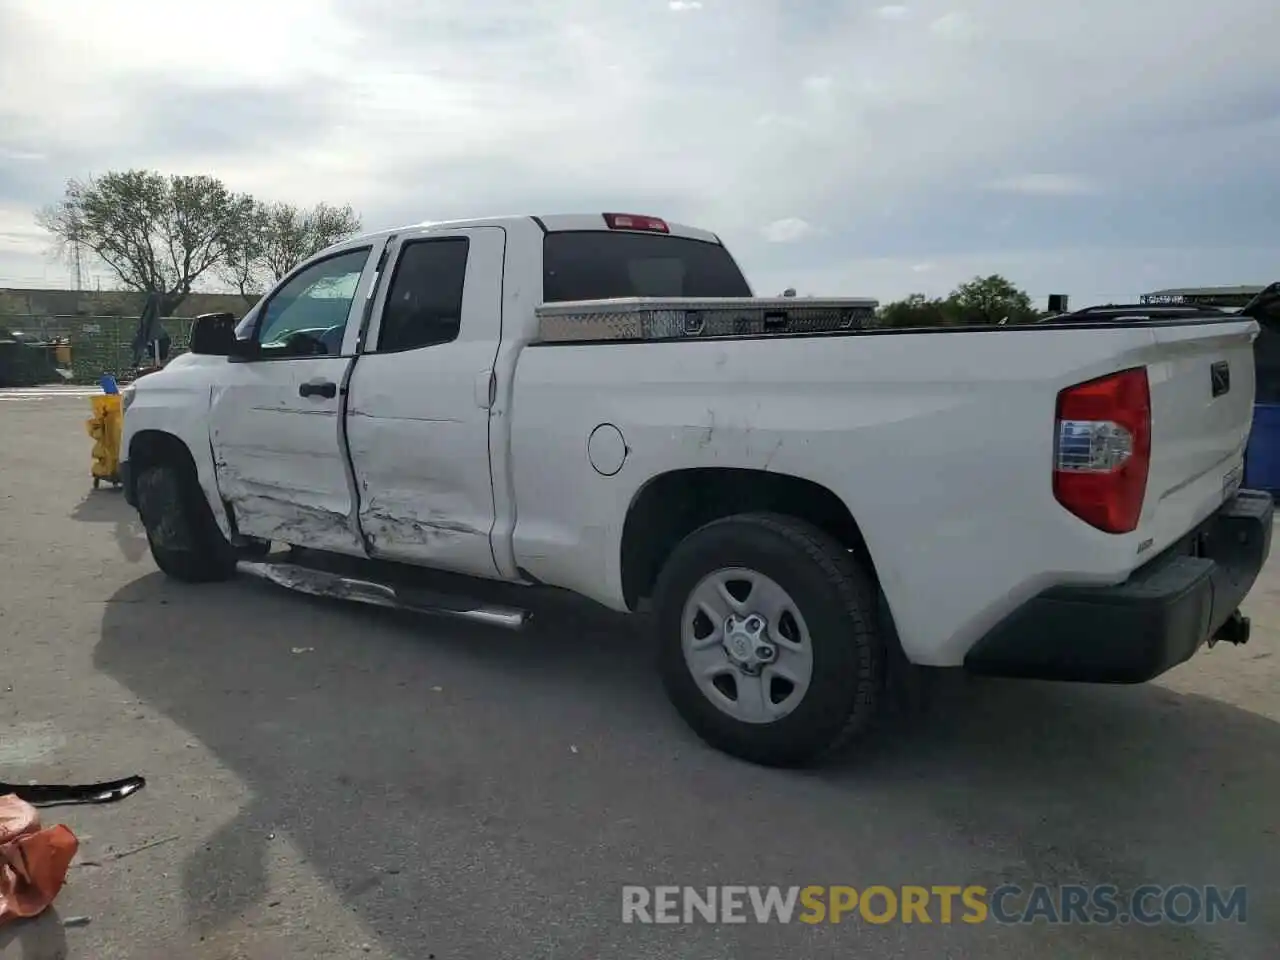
(335, 781)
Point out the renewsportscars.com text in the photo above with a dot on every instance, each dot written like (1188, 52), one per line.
(944, 904)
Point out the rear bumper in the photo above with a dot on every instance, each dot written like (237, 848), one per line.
(1155, 620)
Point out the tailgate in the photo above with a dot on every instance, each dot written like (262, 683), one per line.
(1202, 390)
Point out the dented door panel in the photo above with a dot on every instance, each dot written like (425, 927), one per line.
(418, 419)
(275, 423)
(277, 456)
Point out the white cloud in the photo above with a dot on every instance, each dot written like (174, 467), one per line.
(1088, 275)
(25, 252)
(437, 109)
(18, 229)
(1047, 185)
(787, 230)
(779, 122)
(19, 156)
(956, 25)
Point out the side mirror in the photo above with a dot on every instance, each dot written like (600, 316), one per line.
(214, 334)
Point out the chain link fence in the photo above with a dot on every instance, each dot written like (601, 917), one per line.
(92, 346)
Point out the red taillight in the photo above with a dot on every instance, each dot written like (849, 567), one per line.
(632, 221)
(1103, 449)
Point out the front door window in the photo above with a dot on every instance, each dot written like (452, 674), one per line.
(307, 316)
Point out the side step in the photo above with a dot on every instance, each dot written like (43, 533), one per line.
(322, 583)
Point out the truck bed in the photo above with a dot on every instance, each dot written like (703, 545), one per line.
(936, 440)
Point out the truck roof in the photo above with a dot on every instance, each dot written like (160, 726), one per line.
(549, 223)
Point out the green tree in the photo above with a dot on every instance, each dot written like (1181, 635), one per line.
(916, 310)
(276, 237)
(981, 301)
(156, 233)
(991, 300)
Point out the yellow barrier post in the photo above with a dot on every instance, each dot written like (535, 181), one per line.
(105, 427)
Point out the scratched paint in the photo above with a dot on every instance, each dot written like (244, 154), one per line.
(304, 413)
(278, 461)
(287, 515)
(278, 519)
(425, 489)
(362, 413)
(411, 520)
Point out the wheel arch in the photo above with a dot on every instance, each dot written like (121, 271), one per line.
(671, 505)
(149, 447)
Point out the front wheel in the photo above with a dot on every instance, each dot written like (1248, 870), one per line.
(768, 639)
(184, 537)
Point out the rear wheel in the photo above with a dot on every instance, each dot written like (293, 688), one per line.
(184, 537)
(768, 639)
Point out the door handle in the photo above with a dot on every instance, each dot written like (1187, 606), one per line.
(319, 388)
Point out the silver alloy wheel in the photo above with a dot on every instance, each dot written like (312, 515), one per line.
(746, 645)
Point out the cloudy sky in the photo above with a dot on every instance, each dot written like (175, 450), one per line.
(1100, 148)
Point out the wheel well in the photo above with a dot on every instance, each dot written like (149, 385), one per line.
(150, 447)
(675, 504)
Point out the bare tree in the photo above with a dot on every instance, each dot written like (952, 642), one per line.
(242, 267)
(276, 237)
(155, 233)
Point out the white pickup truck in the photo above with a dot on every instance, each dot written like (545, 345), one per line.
(803, 500)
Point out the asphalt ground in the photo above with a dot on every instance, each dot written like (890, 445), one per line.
(328, 780)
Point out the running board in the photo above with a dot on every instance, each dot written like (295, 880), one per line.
(321, 583)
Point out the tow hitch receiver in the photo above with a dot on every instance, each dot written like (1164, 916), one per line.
(1235, 630)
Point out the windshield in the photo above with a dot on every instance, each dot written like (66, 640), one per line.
(605, 265)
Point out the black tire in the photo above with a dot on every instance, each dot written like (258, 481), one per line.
(184, 537)
(837, 600)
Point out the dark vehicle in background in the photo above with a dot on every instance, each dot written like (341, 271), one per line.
(26, 361)
(1112, 312)
(1264, 308)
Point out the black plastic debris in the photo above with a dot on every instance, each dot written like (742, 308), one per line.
(60, 795)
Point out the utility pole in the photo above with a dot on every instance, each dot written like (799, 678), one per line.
(77, 263)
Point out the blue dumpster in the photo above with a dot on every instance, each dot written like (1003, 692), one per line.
(1262, 456)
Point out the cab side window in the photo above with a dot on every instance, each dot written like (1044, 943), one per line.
(424, 301)
(307, 316)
